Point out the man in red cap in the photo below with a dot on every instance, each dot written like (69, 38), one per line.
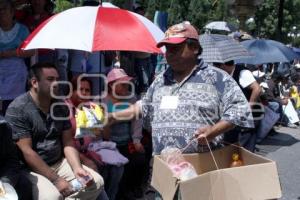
(190, 100)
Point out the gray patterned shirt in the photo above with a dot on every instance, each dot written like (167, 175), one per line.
(206, 96)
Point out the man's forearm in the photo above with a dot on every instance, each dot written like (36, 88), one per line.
(17, 53)
(221, 127)
(255, 92)
(72, 156)
(39, 166)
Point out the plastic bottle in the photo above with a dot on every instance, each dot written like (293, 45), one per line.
(236, 161)
(76, 185)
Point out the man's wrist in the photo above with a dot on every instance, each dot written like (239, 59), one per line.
(77, 168)
(56, 180)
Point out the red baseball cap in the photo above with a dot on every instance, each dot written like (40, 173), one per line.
(178, 33)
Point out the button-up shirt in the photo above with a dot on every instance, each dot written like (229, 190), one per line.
(205, 97)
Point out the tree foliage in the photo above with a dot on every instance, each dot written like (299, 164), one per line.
(201, 12)
(266, 19)
(61, 5)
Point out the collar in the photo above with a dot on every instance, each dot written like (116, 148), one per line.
(168, 75)
(231, 74)
(36, 106)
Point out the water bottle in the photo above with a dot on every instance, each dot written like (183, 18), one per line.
(76, 185)
(79, 184)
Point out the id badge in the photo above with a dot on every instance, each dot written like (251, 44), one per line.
(169, 102)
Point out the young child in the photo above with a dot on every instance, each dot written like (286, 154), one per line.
(127, 134)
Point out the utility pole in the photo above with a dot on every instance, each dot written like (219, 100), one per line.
(280, 20)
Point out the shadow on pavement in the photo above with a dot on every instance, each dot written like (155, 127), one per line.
(280, 139)
(275, 142)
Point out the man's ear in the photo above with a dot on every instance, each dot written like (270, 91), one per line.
(34, 82)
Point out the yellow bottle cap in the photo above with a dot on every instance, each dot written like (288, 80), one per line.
(235, 156)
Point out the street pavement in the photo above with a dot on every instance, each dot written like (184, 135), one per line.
(284, 149)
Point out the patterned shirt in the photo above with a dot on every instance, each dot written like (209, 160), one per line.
(205, 97)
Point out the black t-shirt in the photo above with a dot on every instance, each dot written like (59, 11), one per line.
(9, 162)
(45, 130)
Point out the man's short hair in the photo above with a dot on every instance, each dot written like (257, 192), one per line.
(35, 71)
(194, 43)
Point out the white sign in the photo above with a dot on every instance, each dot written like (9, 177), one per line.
(169, 102)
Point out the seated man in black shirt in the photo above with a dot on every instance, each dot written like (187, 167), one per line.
(42, 130)
(10, 169)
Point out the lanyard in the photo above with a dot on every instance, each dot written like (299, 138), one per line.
(180, 85)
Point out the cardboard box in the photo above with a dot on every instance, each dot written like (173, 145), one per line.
(256, 180)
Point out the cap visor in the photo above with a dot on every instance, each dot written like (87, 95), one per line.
(123, 79)
(170, 41)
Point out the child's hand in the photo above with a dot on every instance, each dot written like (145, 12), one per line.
(139, 147)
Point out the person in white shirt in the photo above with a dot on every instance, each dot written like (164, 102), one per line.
(252, 91)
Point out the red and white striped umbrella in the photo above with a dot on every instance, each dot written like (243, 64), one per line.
(96, 29)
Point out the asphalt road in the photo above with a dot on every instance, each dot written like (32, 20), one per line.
(284, 148)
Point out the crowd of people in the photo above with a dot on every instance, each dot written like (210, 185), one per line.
(210, 104)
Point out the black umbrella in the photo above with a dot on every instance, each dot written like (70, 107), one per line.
(267, 51)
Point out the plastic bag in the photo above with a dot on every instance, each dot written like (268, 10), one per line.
(182, 169)
(7, 191)
(89, 120)
(2, 190)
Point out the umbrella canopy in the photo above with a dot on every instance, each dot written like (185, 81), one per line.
(96, 29)
(221, 26)
(240, 36)
(267, 51)
(221, 48)
(296, 50)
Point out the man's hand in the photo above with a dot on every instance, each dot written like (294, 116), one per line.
(82, 174)
(203, 134)
(63, 186)
(139, 147)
